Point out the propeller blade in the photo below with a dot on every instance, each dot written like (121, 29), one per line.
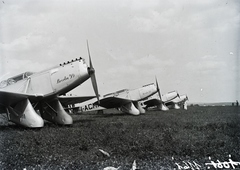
(178, 95)
(95, 88)
(90, 61)
(158, 90)
(91, 72)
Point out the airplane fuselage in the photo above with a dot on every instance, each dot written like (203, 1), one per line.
(166, 97)
(180, 99)
(156, 101)
(169, 96)
(38, 93)
(134, 95)
(55, 81)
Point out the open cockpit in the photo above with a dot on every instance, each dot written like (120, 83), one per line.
(15, 79)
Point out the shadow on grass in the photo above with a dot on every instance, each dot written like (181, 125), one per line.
(83, 121)
(106, 115)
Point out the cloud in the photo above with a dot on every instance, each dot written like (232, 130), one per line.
(14, 66)
(152, 61)
(120, 54)
(207, 64)
(198, 19)
(153, 22)
(36, 46)
(142, 5)
(130, 41)
(25, 43)
(133, 73)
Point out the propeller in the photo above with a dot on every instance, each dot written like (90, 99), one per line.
(158, 90)
(178, 94)
(91, 72)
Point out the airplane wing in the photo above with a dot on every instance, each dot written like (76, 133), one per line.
(169, 103)
(67, 100)
(113, 102)
(9, 98)
(155, 102)
(2, 109)
(152, 102)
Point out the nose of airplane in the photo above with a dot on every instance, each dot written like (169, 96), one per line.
(91, 71)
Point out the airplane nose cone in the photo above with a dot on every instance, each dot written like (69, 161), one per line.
(91, 71)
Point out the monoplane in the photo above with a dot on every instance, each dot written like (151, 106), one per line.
(181, 100)
(28, 98)
(160, 101)
(126, 100)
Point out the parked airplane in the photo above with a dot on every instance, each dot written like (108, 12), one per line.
(177, 101)
(159, 100)
(26, 95)
(126, 100)
(168, 101)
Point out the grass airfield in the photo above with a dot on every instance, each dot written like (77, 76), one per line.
(156, 140)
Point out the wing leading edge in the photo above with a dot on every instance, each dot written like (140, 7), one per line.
(68, 100)
(10, 98)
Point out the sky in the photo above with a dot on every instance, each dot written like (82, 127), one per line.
(189, 46)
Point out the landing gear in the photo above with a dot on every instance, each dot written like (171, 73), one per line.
(162, 107)
(54, 112)
(24, 114)
(130, 108)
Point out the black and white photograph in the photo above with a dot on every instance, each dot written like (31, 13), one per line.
(119, 84)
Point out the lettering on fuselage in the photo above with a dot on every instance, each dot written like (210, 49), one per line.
(65, 78)
(147, 93)
(88, 107)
